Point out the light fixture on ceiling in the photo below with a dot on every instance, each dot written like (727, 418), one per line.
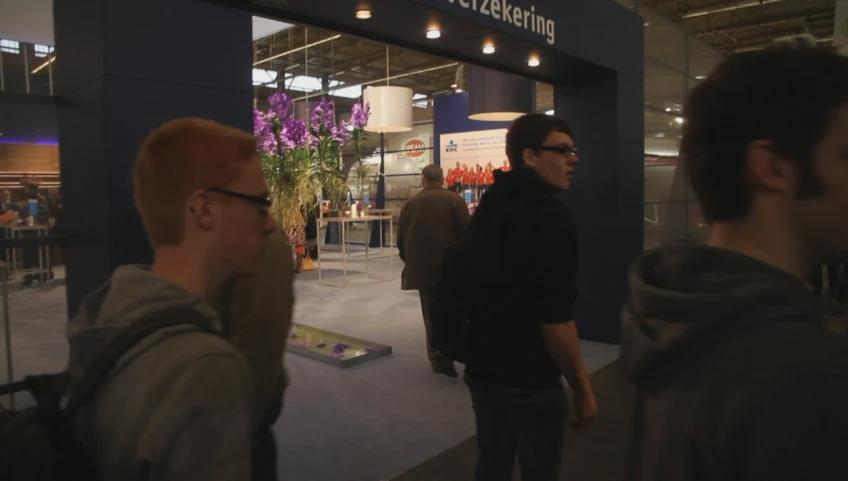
(498, 97)
(453, 86)
(668, 109)
(391, 109)
(363, 13)
(433, 33)
(534, 62)
(488, 49)
(549, 112)
(459, 91)
(679, 120)
(700, 77)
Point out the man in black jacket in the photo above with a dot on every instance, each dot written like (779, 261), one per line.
(523, 336)
(735, 376)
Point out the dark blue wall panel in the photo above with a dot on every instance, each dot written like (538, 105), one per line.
(606, 196)
(450, 114)
(23, 122)
(128, 66)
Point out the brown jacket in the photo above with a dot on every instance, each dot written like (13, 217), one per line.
(257, 313)
(429, 222)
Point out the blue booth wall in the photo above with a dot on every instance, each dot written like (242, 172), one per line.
(23, 122)
(450, 115)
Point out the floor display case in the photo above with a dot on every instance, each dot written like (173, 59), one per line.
(333, 348)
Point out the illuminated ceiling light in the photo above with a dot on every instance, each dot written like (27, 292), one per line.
(549, 112)
(433, 33)
(679, 120)
(489, 49)
(459, 91)
(700, 77)
(534, 62)
(453, 86)
(363, 13)
(668, 109)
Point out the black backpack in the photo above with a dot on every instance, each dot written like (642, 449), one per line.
(469, 265)
(38, 443)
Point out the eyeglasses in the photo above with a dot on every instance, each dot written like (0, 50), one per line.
(560, 149)
(254, 199)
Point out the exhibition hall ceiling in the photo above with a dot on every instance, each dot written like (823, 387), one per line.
(309, 62)
(739, 25)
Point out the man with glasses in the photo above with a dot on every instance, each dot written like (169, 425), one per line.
(522, 336)
(178, 404)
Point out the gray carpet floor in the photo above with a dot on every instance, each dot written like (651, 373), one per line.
(363, 423)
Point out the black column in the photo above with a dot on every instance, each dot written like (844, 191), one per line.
(606, 196)
(123, 68)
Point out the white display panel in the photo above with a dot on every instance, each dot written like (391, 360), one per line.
(471, 149)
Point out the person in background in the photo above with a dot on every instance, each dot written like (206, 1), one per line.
(33, 258)
(7, 204)
(257, 313)
(429, 222)
(312, 233)
(297, 237)
(518, 398)
(450, 181)
(179, 405)
(734, 374)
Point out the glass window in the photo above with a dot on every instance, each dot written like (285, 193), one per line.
(10, 46)
(42, 51)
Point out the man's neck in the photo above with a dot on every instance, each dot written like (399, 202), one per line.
(433, 185)
(781, 248)
(185, 270)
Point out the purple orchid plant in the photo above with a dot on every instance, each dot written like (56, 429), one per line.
(299, 158)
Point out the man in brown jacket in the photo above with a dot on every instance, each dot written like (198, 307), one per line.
(257, 311)
(429, 222)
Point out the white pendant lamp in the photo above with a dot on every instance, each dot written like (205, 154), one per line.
(391, 109)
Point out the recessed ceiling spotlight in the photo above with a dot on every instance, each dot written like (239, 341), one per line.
(700, 77)
(668, 109)
(489, 49)
(453, 86)
(433, 33)
(459, 91)
(549, 112)
(679, 120)
(534, 62)
(363, 13)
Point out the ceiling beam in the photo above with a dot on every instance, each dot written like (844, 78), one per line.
(813, 16)
(726, 7)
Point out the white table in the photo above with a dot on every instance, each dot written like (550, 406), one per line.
(347, 255)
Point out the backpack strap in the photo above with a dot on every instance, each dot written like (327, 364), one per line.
(123, 342)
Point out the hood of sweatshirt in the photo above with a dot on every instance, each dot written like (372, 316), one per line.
(131, 293)
(687, 298)
(508, 189)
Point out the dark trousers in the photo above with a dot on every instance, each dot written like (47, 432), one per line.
(529, 423)
(264, 456)
(427, 296)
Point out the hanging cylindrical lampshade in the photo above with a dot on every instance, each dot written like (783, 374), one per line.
(497, 97)
(391, 109)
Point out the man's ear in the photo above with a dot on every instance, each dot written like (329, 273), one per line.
(200, 210)
(529, 157)
(768, 170)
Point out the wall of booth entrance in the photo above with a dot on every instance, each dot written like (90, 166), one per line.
(593, 57)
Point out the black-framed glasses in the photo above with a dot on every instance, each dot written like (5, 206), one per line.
(560, 149)
(254, 199)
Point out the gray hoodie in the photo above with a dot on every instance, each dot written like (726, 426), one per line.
(738, 379)
(178, 405)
